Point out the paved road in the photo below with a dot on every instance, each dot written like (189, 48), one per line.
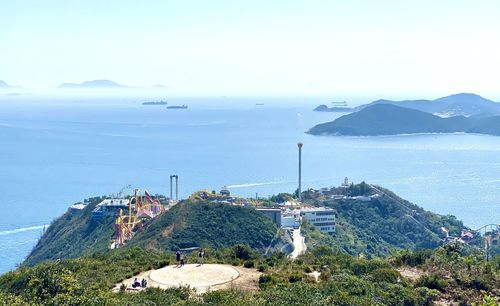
(299, 246)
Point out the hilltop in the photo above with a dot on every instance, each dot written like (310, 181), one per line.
(462, 104)
(373, 221)
(393, 224)
(388, 119)
(3, 84)
(93, 84)
(187, 224)
(204, 224)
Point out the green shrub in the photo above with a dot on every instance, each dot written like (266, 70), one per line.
(410, 258)
(432, 281)
(427, 296)
(249, 264)
(262, 268)
(385, 275)
(242, 251)
(296, 277)
(266, 280)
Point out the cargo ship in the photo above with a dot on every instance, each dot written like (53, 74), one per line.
(155, 103)
(177, 107)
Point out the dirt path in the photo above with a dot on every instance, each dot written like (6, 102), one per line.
(199, 277)
(299, 246)
(410, 273)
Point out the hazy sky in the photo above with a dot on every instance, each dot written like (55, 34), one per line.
(412, 48)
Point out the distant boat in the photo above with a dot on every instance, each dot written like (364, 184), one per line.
(183, 106)
(340, 104)
(155, 103)
(259, 104)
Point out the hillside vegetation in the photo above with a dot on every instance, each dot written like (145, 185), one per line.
(203, 224)
(378, 226)
(74, 234)
(445, 275)
(187, 224)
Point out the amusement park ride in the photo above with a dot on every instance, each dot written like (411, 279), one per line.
(140, 207)
(490, 236)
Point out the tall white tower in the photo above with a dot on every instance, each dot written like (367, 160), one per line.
(300, 171)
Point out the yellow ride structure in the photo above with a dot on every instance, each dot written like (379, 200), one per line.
(140, 208)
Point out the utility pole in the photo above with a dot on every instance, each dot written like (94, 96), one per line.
(300, 171)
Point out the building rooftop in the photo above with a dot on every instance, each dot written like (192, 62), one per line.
(78, 206)
(113, 202)
(269, 209)
(315, 209)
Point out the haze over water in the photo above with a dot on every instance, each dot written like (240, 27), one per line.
(55, 154)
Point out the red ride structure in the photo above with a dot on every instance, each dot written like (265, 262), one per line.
(140, 209)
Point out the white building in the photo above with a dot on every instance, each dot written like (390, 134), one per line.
(109, 207)
(78, 206)
(321, 217)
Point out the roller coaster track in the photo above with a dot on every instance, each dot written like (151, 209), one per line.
(488, 228)
(488, 234)
(408, 209)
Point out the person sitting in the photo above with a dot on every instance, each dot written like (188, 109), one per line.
(144, 283)
(136, 283)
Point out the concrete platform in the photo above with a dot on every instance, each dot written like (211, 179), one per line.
(199, 277)
(194, 275)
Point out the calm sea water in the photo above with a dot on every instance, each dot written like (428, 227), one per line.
(58, 153)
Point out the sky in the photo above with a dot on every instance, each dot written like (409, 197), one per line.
(335, 48)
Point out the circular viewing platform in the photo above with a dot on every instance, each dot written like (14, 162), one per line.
(194, 275)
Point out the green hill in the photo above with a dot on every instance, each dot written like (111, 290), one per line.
(379, 226)
(386, 119)
(74, 234)
(203, 224)
(188, 224)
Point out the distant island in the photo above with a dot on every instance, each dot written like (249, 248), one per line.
(3, 84)
(93, 84)
(159, 86)
(389, 119)
(324, 108)
(462, 104)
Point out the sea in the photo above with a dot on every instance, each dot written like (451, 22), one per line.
(59, 151)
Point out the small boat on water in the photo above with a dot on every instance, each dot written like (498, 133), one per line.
(183, 106)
